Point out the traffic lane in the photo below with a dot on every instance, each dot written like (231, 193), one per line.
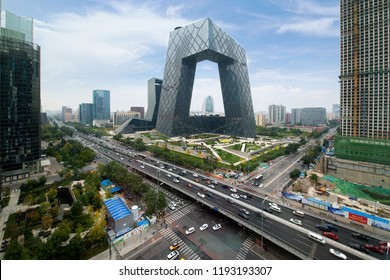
(158, 251)
(221, 244)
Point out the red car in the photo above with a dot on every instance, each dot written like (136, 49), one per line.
(373, 248)
(331, 235)
(384, 245)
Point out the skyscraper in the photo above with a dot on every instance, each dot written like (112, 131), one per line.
(66, 114)
(208, 105)
(336, 111)
(296, 115)
(313, 116)
(364, 81)
(86, 113)
(276, 114)
(101, 104)
(261, 119)
(20, 100)
(188, 45)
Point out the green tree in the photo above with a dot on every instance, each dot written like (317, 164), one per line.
(15, 251)
(314, 178)
(295, 174)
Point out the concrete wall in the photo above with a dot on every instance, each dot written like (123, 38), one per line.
(358, 172)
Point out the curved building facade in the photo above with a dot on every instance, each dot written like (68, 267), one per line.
(187, 46)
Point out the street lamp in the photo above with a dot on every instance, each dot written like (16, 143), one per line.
(158, 183)
(262, 221)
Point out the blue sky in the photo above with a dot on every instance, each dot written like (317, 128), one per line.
(292, 48)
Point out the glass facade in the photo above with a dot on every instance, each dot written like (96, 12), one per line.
(313, 116)
(19, 108)
(208, 105)
(86, 113)
(187, 46)
(101, 104)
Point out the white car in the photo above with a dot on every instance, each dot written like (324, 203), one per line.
(243, 210)
(244, 196)
(170, 206)
(203, 227)
(169, 169)
(217, 227)
(235, 196)
(273, 204)
(233, 189)
(296, 221)
(176, 180)
(261, 185)
(173, 255)
(195, 175)
(173, 203)
(211, 186)
(142, 166)
(168, 175)
(190, 230)
(201, 195)
(337, 254)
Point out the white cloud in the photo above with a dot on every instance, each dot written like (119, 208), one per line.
(317, 27)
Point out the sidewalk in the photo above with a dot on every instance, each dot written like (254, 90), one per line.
(132, 243)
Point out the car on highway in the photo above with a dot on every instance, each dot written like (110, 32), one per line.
(190, 230)
(225, 186)
(330, 235)
(360, 236)
(211, 186)
(173, 255)
(323, 227)
(244, 196)
(243, 210)
(201, 195)
(261, 186)
(273, 204)
(173, 203)
(174, 246)
(296, 221)
(268, 210)
(233, 190)
(170, 206)
(217, 227)
(260, 214)
(210, 195)
(243, 215)
(168, 175)
(373, 248)
(358, 247)
(195, 175)
(337, 254)
(170, 169)
(189, 185)
(203, 227)
(142, 166)
(176, 180)
(229, 200)
(234, 196)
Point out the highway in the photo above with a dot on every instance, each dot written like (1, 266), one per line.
(277, 226)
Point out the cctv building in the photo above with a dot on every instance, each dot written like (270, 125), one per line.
(187, 46)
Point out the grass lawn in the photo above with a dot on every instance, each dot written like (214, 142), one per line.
(228, 156)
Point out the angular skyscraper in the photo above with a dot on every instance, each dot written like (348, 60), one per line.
(20, 101)
(187, 46)
(101, 104)
(364, 81)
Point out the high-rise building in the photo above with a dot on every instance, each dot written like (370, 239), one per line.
(120, 118)
(101, 104)
(188, 45)
(20, 101)
(140, 110)
(364, 81)
(66, 114)
(336, 111)
(296, 115)
(313, 116)
(261, 119)
(86, 113)
(276, 114)
(208, 106)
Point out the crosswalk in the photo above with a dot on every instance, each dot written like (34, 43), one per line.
(246, 246)
(184, 249)
(176, 215)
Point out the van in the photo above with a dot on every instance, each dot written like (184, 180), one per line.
(299, 213)
(316, 237)
(275, 208)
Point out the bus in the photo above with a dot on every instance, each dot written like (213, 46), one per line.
(259, 177)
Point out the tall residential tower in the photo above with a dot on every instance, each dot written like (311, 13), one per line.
(364, 81)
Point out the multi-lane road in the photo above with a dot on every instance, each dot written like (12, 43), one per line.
(276, 226)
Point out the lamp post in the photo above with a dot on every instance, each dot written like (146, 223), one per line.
(262, 221)
(158, 183)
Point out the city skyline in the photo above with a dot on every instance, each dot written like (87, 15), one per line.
(285, 41)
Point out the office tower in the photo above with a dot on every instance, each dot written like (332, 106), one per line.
(204, 40)
(154, 93)
(101, 105)
(208, 106)
(66, 114)
(296, 115)
(364, 81)
(336, 111)
(276, 114)
(86, 113)
(140, 110)
(261, 119)
(313, 116)
(20, 101)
